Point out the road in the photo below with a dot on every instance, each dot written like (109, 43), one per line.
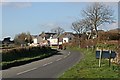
(51, 67)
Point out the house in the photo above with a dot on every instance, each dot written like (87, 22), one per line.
(52, 39)
(66, 37)
(36, 39)
(42, 39)
(56, 40)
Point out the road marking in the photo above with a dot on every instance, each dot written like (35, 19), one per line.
(44, 64)
(69, 53)
(65, 56)
(47, 63)
(59, 59)
(26, 71)
(50, 62)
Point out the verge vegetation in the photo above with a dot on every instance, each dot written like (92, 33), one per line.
(88, 67)
(19, 56)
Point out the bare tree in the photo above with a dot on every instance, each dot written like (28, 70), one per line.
(29, 37)
(23, 38)
(57, 30)
(88, 27)
(98, 14)
(79, 28)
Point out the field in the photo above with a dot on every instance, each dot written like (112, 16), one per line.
(88, 67)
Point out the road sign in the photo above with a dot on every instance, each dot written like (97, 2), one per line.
(113, 54)
(106, 54)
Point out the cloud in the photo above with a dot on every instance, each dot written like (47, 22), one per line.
(17, 4)
(49, 25)
(109, 26)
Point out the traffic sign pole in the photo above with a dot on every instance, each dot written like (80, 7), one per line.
(100, 58)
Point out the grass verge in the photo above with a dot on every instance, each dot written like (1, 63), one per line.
(88, 67)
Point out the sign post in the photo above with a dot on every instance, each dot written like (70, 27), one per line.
(100, 58)
(105, 54)
(110, 58)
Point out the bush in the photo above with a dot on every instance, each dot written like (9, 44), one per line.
(107, 46)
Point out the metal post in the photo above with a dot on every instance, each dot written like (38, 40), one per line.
(110, 58)
(100, 58)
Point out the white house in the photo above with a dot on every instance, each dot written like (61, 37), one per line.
(35, 40)
(53, 41)
(65, 40)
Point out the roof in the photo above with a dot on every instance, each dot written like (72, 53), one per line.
(47, 35)
(66, 35)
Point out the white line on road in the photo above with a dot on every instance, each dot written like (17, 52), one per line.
(59, 59)
(44, 64)
(47, 63)
(26, 71)
(65, 56)
(69, 53)
(50, 62)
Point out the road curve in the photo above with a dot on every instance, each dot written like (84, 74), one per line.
(51, 67)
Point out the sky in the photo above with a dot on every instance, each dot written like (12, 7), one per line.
(36, 17)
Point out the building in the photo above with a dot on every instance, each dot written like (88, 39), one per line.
(43, 39)
(66, 37)
(52, 39)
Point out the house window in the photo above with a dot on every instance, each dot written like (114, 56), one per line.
(70, 38)
(64, 41)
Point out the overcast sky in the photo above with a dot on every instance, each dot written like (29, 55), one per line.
(35, 17)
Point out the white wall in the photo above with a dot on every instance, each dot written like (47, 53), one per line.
(53, 41)
(35, 40)
(65, 39)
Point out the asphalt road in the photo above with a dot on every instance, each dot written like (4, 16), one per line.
(51, 67)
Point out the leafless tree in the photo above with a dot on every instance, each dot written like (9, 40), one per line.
(23, 38)
(88, 27)
(79, 28)
(98, 14)
(57, 30)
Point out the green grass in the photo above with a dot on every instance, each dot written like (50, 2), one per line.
(88, 67)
